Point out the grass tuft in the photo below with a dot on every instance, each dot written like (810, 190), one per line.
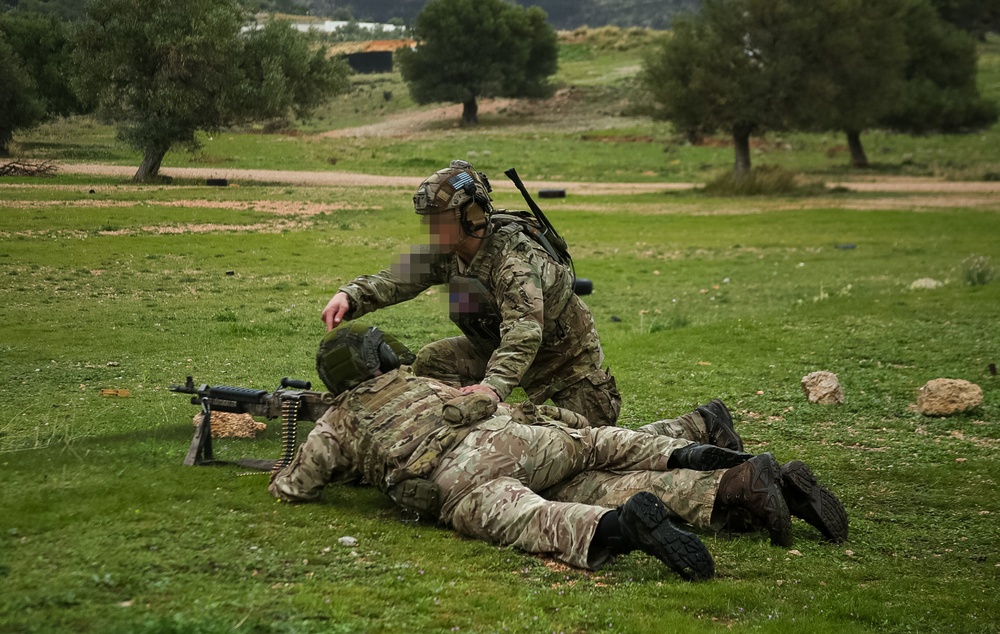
(766, 180)
(977, 270)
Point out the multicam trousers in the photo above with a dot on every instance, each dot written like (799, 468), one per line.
(688, 495)
(458, 361)
(489, 481)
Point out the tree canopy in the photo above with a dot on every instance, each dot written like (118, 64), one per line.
(34, 56)
(20, 106)
(749, 66)
(468, 49)
(161, 70)
(977, 17)
(939, 91)
(735, 66)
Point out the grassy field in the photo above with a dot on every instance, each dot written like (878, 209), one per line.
(109, 285)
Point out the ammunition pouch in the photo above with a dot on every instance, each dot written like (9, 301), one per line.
(468, 409)
(419, 495)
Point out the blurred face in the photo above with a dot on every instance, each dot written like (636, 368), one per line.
(444, 228)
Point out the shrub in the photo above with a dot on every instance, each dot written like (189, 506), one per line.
(766, 180)
(977, 270)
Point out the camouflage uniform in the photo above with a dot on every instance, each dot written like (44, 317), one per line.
(690, 426)
(689, 496)
(522, 323)
(393, 429)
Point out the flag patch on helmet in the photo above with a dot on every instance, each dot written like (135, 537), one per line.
(460, 181)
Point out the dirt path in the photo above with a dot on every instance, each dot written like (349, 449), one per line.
(354, 179)
(565, 109)
(888, 184)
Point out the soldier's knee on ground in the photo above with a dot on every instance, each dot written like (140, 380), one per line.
(595, 396)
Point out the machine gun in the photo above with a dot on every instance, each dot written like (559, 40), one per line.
(292, 401)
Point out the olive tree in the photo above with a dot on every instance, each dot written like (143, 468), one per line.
(34, 55)
(161, 70)
(467, 49)
(940, 93)
(20, 106)
(735, 66)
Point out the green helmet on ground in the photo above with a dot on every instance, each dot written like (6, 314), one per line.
(353, 353)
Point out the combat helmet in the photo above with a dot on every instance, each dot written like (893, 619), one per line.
(351, 354)
(458, 187)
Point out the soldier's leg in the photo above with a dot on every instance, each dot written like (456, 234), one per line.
(688, 495)
(454, 360)
(690, 426)
(543, 456)
(595, 396)
(505, 511)
(745, 496)
(708, 424)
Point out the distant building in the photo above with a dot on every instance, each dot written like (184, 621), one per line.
(332, 26)
(370, 57)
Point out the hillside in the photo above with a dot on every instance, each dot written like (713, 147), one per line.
(570, 14)
(563, 14)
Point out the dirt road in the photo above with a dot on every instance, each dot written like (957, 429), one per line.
(354, 179)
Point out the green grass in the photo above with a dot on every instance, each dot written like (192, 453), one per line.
(695, 297)
(104, 530)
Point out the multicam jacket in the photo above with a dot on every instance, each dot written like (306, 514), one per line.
(513, 300)
(378, 428)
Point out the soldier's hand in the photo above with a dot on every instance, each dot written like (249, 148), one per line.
(482, 389)
(335, 310)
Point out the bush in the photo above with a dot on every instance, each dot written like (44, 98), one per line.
(767, 180)
(977, 270)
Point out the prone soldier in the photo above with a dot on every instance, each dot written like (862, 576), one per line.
(478, 467)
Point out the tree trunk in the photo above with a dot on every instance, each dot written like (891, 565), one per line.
(470, 112)
(858, 156)
(149, 169)
(741, 141)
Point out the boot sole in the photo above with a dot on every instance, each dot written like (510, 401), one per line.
(679, 550)
(814, 503)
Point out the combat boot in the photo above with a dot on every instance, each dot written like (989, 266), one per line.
(719, 425)
(814, 503)
(752, 492)
(705, 458)
(644, 524)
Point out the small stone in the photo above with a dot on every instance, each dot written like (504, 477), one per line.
(823, 387)
(944, 397)
(925, 283)
(347, 540)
